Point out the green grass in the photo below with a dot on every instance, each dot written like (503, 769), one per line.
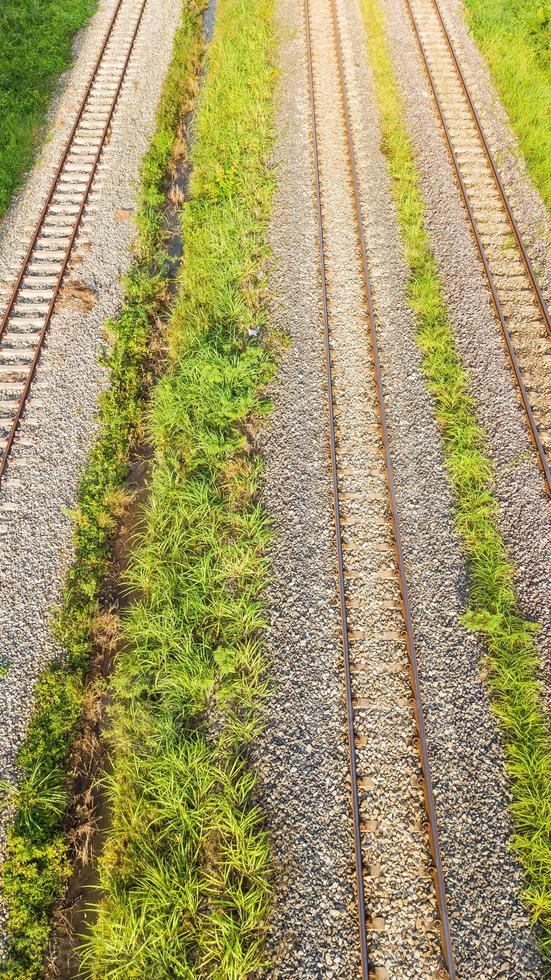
(185, 872)
(493, 612)
(35, 47)
(515, 38)
(39, 855)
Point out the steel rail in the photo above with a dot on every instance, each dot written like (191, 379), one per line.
(391, 490)
(78, 217)
(532, 424)
(63, 159)
(338, 530)
(493, 166)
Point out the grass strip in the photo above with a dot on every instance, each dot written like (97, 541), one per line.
(515, 38)
(184, 876)
(39, 855)
(35, 47)
(493, 606)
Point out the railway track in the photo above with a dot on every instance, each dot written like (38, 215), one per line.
(516, 295)
(401, 895)
(38, 279)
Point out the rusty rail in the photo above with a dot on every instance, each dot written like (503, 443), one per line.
(392, 500)
(517, 371)
(8, 317)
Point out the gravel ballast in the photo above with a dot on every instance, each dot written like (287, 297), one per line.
(525, 512)
(40, 486)
(490, 927)
(528, 207)
(301, 757)
(401, 905)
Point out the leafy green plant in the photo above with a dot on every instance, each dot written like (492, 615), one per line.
(40, 799)
(494, 613)
(185, 871)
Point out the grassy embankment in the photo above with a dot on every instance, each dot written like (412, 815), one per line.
(184, 874)
(39, 851)
(35, 47)
(493, 607)
(515, 38)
